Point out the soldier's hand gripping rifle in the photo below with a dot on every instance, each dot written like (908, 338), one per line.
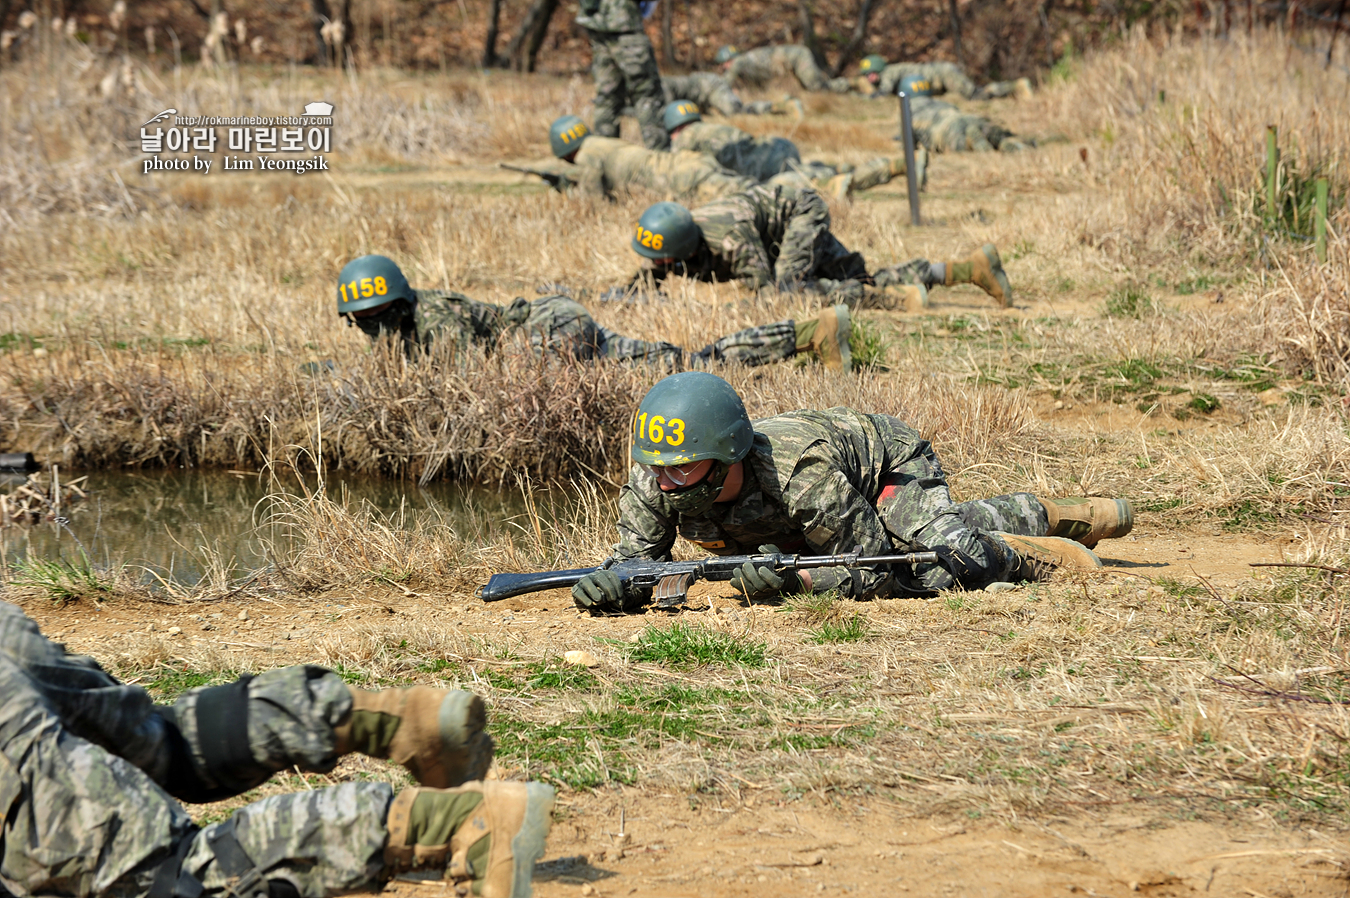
(557, 181)
(669, 581)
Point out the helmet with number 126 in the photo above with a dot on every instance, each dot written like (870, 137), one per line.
(666, 231)
(371, 281)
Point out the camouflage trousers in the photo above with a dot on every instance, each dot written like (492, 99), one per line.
(624, 68)
(917, 509)
(618, 348)
(872, 173)
(82, 820)
(915, 271)
(811, 77)
(755, 346)
(809, 250)
(945, 77)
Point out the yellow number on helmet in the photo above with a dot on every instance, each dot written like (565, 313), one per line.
(657, 240)
(367, 287)
(654, 430)
(640, 425)
(676, 435)
(381, 287)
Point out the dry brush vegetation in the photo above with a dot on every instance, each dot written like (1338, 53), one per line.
(171, 328)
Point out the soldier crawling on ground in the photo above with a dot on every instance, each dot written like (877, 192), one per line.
(824, 483)
(759, 66)
(762, 158)
(778, 236)
(879, 79)
(88, 765)
(606, 166)
(713, 92)
(374, 295)
(940, 126)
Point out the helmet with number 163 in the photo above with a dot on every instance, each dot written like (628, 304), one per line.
(666, 231)
(688, 417)
(371, 281)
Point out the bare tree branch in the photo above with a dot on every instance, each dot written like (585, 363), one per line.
(809, 33)
(859, 38)
(490, 57)
(667, 38)
(529, 37)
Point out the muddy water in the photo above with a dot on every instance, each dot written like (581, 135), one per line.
(171, 522)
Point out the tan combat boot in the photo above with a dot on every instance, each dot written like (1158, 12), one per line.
(905, 297)
(1089, 520)
(830, 342)
(437, 734)
(1042, 555)
(1022, 89)
(484, 837)
(983, 268)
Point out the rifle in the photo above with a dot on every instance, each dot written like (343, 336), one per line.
(670, 580)
(556, 181)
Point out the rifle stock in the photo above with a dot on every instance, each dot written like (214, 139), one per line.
(671, 579)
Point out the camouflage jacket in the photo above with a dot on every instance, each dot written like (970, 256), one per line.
(611, 16)
(764, 63)
(812, 480)
(943, 77)
(743, 237)
(755, 157)
(441, 315)
(556, 324)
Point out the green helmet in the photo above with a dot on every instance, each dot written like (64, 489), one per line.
(681, 112)
(873, 63)
(726, 54)
(566, 134)
(666, 231)
(371, 281)
(688, 417)
(916, 86)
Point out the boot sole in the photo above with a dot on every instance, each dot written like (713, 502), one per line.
(1000, 276)
(528, 844)
(467, 751)
(1062, 553)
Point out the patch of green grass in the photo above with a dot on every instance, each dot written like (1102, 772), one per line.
(1178, 590)
(867, 344)
(1137, 374)
(64, 581)
(1131, 301)
(1204, 403)
(851, 629)
(14, 340)
(682, 645)
(167, 683)
(1197, 284)
(560, 675)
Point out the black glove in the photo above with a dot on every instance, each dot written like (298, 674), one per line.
(762, 581)
(599, 590)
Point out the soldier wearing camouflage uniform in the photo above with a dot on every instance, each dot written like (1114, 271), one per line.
(561, 326)
(762, 158)
(88, 764)
(877, 78)
(605, 166)
(942, 127)
(778, 235)
(824, 482)
(759, 66)
(624, 67)
(714, 92)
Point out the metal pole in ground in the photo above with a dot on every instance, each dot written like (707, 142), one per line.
(911, 176)
(1272, 171)
(1320, 221)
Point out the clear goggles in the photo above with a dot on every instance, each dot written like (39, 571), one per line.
(676, 474)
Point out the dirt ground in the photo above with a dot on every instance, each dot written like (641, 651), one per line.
(753, 840)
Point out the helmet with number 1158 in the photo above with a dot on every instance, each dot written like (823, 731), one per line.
(371, 281)
(688, 417)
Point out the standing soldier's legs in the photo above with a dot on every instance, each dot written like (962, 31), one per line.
(609, 84)
(634, 57)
